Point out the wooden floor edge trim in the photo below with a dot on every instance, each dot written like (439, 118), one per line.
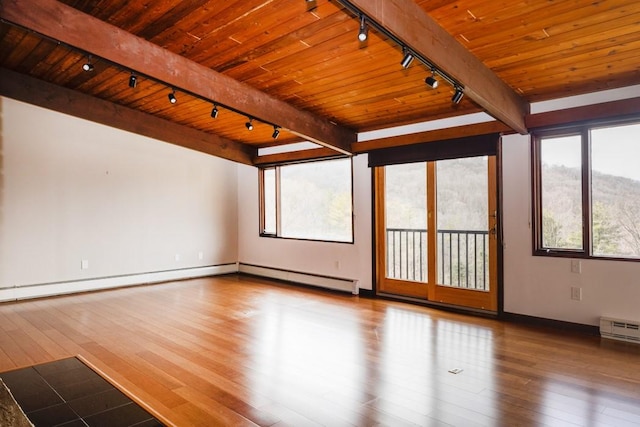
(127, 392)
(559, 325)
(437, 305)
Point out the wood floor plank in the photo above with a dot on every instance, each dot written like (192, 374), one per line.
(240, 350)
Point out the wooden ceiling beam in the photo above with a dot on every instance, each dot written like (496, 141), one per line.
(295, 156)
(484, 128)
(606, 110)
(47, 95)
(422, 34)
(87, 33)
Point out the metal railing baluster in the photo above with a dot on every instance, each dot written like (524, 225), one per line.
(406, 256)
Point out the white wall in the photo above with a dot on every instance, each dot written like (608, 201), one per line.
(307, 256)
(541, 286)
(533, 286)
(73, 190)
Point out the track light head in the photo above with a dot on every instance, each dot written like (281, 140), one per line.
(249, 124)
(214, 111)
(363, 34)
(407, 60)
(457, 96)
(133, 81)
(172, 96)
(276, 132)
(87, 66)
(431, 81)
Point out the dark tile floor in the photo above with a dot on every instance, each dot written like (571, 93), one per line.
(68, 393)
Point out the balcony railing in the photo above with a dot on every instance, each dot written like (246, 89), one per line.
(462, 260)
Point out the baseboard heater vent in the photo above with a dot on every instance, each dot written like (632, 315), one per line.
(617, 329)
(333, 283)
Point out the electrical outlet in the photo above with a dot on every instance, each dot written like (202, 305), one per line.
(200, 255)
(177, 257)
(84, 264)
(576, 266)
(576, 293)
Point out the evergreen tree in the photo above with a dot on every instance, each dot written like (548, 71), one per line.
(605, 233)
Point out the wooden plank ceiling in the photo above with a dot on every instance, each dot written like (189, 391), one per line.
(299, 64)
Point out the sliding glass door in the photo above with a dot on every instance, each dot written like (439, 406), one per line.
(436, 233)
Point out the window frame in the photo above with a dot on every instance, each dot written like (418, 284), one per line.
(584, 130)
(278, 193)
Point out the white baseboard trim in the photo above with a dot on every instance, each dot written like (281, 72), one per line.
(60, 288)
(334, 283)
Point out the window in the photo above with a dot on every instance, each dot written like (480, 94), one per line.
(311, 201)
(587, 191)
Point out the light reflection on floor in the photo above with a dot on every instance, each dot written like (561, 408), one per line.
(404, 373)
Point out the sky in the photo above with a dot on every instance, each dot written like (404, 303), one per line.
(614, 151)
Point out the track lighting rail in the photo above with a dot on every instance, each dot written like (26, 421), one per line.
(354, 10)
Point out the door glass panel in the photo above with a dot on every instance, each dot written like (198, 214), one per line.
(406, 222)
(463, 234)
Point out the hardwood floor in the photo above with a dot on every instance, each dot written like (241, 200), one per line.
(237, 350)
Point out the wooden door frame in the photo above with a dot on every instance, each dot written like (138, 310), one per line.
(424, 298)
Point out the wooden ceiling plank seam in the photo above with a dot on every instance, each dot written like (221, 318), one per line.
(265, 24)
(287, 49)
(371, 89)
(145, 14)
(226, 20)
(168, 17)
(17, 56)
(318, 57)
(320, 63)
(549, 54)
(591, 70)
(105, 10)
(556, 21)
(61, 67)
(600, 31)
(432, 5)
(36, 56)
(37, 92)
(327, 87)
(55, 61)
(515, 19)
(366, 93)
(126, 13)
(595, 63)
(410, 23)
(61, 22)
(199, 21)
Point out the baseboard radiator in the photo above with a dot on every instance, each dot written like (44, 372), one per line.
(333, 283)
(13, 293)
(617, 329)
